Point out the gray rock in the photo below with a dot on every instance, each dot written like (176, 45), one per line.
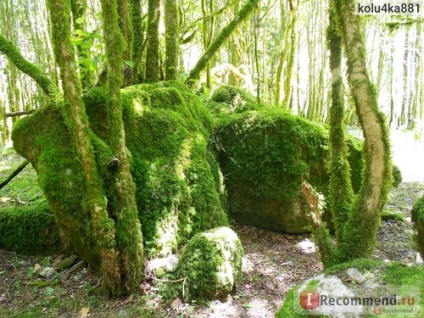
(47, 272)
(167, 264)
(356, 275)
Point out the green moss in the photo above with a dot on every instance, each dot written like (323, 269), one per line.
(29, 229)
(388, 215)
(399, 277)
(417, 213)
(211, 264)
(179, 190)
(265, 156)
(228, 99)
(397, 176)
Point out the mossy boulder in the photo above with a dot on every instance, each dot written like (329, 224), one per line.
(179, 186)
(228, 99)
(355, 281)
(418, 219)
(29, 229)
(211, 264)
(265, 156)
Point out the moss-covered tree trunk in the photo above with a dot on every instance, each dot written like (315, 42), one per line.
(340, 192)
(171, 39)
(122, 204)
(102, 226)
(79, 9)
(8, 49)
(136, 22)
(152, 57)
(125, 24)
(225, 33)
(360, 231)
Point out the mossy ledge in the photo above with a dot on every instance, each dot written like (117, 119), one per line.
(29, 229)
(418, 219)
(179, 186)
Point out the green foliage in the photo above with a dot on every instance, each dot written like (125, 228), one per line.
(418, 219)
(211, 264)
(29, 229)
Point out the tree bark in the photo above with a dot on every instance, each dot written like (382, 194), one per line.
(122, 204)
(77, 124)
(340, 188)
(365, 214)
(152, 57)
(244, 12)
(171, 39)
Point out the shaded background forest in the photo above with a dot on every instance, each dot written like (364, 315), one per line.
(279, 54)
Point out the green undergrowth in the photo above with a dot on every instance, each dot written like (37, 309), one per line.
(179, 187)
(29, 229)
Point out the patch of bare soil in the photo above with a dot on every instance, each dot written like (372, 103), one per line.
(272, 264)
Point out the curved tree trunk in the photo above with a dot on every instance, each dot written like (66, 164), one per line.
(365, 214)
(8, 49)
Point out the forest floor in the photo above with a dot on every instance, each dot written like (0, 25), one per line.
(273, 263)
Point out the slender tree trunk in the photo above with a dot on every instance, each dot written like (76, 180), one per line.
(365, 214)
(125, 25)
(122, 204)
(76, 119)
(152, 58)
(79, 8)
(244, 12)
(171, 39)
(340, 188)
(138, 45)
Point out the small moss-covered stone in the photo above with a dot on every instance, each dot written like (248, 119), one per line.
(211, 263)
(228, 99)
(418, 219)
(29, 230)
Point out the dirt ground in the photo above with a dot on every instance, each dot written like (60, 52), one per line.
(272, 264)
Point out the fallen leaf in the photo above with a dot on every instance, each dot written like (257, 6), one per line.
(37, 268)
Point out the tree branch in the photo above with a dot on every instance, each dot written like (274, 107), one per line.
(10, 50)
(216, 44)
(14, 174)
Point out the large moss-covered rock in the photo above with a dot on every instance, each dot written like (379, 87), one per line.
(418, 219)
(179, 187)
(211, 264)
(356, 284)
(29, 229)
(265, 156)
